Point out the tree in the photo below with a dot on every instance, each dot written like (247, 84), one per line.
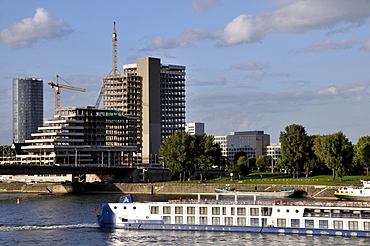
(243, 165)
(362, 152)
(336, 151)
(185, 153)
(294, 146)
(177, 153)
(312, 160)
(207, 152)
(263, 161)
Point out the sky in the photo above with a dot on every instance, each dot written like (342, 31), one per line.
(250, 65)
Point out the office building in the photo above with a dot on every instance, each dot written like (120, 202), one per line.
(253, 143)
(153, 93)
(28, 107)
(274, 150)
(195, 128)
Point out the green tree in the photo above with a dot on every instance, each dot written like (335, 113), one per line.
(242, 164)
(362, 152)
(207, 152)
(312, 161)
(263, 161)
(294, 146)
(184, 153)
(177, 152)
(336, 151)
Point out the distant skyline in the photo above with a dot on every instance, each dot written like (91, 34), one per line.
(251, 65)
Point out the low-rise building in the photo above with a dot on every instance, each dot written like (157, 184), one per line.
(253, 143)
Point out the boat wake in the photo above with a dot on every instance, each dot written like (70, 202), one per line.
(46, 227)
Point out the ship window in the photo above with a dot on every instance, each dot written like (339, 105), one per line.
(215, 211)
(228, 220)
(241, 221)
(323, 224)
(203, 220)
(223, 210)
(191, 210)
(254, 222)
(166, 219)
(191, 220)
(281, 222)
(338, 224)
(242, 211)
(367, 226)
(203, 210)
(166, 210)
(215, 220)
(265, 211)
(254, 212)
(178, 220)
(353, 225)
(178, 210)
(154, 210)
(232, 211)
(365, 214)
(309, 223)
(294, 223)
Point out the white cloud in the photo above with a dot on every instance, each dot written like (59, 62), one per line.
(201, 6)
(195, 82)
(330, 90)
(295, 17)
(251, 66)
(27, 32)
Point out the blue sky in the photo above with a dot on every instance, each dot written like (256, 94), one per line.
(251, 65)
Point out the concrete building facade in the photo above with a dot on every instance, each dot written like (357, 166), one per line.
(28, 107)
(155, 94)
(253, 143)
(195, 128)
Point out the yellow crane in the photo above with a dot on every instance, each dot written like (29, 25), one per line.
(57, 87)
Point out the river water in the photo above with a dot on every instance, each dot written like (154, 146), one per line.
(71, 220)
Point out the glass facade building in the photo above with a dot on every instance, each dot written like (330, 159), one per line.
(28, 107)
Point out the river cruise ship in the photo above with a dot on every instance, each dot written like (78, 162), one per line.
(336, 218)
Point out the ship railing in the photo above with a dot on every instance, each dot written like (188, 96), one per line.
(274, 202)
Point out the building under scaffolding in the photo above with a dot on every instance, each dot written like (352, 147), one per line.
(82, 137)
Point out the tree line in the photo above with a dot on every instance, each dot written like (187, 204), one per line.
(303, 153)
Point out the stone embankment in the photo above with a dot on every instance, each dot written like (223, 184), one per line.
(158, 188)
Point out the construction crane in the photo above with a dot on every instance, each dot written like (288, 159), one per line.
(114, 70)
(114, 51)
(57, 87)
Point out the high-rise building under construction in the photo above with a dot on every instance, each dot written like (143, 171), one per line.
(155, 94)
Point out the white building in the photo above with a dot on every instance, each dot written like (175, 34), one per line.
(274, 150)
(195, 128)
(253, 143)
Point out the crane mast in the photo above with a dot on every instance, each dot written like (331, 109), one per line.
(114, 50)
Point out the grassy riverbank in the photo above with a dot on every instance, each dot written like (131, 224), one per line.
(284, 179)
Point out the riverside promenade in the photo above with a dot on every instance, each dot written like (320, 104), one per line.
(312, 191)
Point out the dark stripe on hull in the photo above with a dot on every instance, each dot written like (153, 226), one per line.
(305, 231)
